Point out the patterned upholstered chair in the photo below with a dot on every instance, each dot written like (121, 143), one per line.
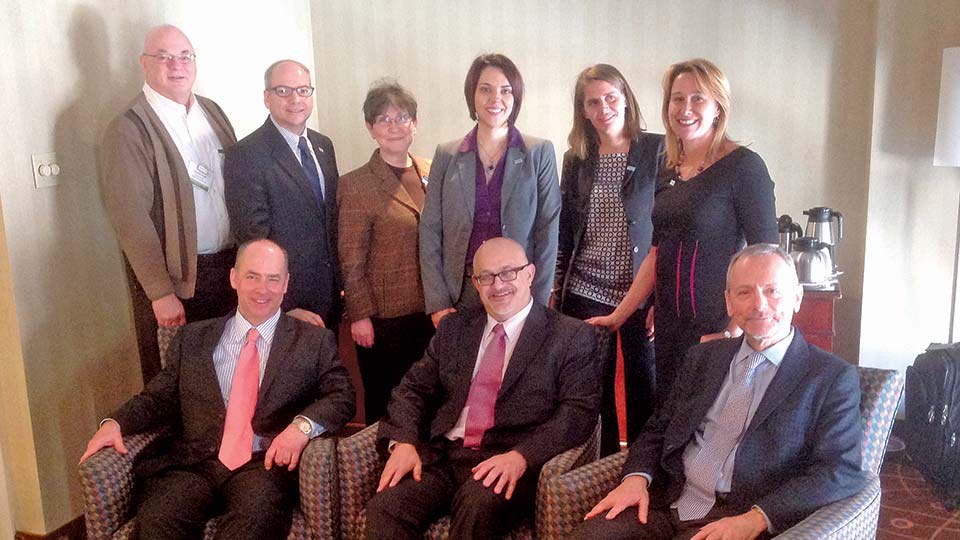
(359, 468)
(106, 481)
(571, 495)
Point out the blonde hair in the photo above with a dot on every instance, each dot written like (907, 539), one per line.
(712, 82)
(583, 138)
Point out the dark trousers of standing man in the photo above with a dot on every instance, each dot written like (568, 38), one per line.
(639, 370)
(404, 511)
(213, 297)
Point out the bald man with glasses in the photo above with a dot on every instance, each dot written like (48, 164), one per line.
(281, 184)
(162, 187)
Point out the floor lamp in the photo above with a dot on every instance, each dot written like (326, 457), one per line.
(946, 152)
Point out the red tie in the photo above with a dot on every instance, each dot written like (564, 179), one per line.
(483, 391)
(237, 444)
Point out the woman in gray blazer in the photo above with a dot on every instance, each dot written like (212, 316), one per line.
(493, 182)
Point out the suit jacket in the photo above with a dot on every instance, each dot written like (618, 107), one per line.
(576, 185)
(303, 376)
(547, 403)
(379, 241)
(529, 214)
(800, 452)
(268, 196)
(149, 198)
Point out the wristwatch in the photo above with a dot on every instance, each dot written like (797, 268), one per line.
(303, 425)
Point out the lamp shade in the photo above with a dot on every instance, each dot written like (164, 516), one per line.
(946, 151)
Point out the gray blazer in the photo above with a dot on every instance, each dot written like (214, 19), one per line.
(529, 214)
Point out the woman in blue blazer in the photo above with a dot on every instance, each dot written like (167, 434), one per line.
(609, 176)
(493, 182)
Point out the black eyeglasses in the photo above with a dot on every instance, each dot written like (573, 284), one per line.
(183, 58)
(287, 91)
(509, 274)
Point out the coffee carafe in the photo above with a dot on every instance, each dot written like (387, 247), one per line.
(789, 231)
(815, 267)
(820, 226)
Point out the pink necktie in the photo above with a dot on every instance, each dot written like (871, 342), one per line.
(237, 444)
(483, 391)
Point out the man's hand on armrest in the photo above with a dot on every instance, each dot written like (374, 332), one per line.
(632, 491)
(403, 459)
(107, 435)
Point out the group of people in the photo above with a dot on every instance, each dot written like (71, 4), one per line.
(448, 270)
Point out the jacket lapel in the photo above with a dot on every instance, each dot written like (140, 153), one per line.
(633, 161)
(282, 339)
(712, 376)
(209, 374)
(389, 183)
(530, 341)
(470, 339)
(792, 370)
(511, 175)
(467, 177)
(283, 156)
(328, 167)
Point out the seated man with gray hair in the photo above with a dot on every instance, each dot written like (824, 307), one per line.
(758, 433)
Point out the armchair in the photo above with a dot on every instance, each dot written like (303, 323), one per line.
(573, 494)
(359, 466)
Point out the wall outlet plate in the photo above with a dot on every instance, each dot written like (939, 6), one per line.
(46, 170)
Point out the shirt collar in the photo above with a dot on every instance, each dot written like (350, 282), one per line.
(774, 353)
(239, 326)
(292, 138)
(511, 326)
(158, 102)
(469, 144)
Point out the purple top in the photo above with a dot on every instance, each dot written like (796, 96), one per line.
(486, 215)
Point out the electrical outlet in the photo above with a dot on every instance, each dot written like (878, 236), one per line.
(46, 170)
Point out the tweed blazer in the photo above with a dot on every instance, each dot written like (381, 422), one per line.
(303, 376)
(547, 403)
(800, 452)
(148, 196)
(378, 241)
(529, 214)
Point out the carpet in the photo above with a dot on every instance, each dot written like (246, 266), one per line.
(908, 508)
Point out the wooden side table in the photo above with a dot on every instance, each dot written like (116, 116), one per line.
(815, 318)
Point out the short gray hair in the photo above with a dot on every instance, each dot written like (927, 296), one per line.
(269, 72)
(754, 250)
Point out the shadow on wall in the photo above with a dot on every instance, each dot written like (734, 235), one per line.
(84, 274)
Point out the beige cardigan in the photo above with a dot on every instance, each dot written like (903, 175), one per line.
(149, 198)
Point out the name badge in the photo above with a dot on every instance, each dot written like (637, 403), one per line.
(199, 175)
(631, 168)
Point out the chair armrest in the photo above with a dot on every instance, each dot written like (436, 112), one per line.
(319, 491)
(852, 518)
(563, 500)
(106, 485)
(358, 466)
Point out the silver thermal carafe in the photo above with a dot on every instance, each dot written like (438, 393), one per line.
(789, 231)
(820, 227)
(814, 262)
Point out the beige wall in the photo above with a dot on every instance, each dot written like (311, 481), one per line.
(912, 204)
(72, 358)
(801, 75)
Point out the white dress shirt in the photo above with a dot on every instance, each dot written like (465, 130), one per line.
(202, 154)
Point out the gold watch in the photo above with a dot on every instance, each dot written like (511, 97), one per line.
(303, 425)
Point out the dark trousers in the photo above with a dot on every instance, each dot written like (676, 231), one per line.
(447, 486)
(662, 524)
(638, 369)
(254, 503)
(398, 342)
(213, 297)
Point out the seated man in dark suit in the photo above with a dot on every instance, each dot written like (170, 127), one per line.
(497, 394)
(240, 394)
(758, 432)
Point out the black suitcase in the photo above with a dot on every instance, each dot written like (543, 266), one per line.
(933, 419)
